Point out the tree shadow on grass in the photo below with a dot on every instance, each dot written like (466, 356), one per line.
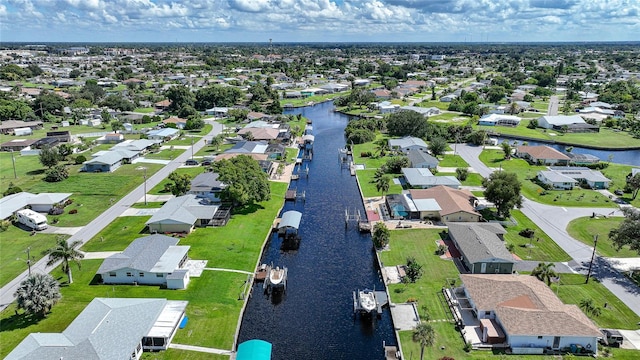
(19, 321)
(35, 172)
(247, 209)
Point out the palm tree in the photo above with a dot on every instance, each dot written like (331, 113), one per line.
(383, 183)
(216, 141)
(588, 307)
(514, 108)
(544, 272)
(382, 146)
(65, 252)
(37, 294)
(506, 147)
(424, 335)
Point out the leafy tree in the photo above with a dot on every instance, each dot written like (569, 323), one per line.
(533, 123)
(407, 123)
(246, 182)
(503, 190)
(67, 253)
(462, 174)
(209, 97)
(92, 91)
(544, 272)
(56, 173)
(496, 93)
(48, 103)
(12, 189)
(360, 136)
(37, 294)
(424, 335)
(633, 183)
(181, 183)
(477, 137)
(395, 164)
(216, 141)
(437, 146)
(49, 156)
(80, 159)
(116, 125)
(180, 96)
(414, 270)
(194, 124)
(117, 102)
(187, 111)
(628, 232)
(75, 73)
(381, 235)
(64, 150)
(15, 109)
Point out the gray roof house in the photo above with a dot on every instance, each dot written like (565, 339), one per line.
(593, 178)
(482, 247)
(207, 185)
(421, 159)
(181, 214)
(424, 179)
(147, 261)
(248, 147)
(40, 203)
(424, 111)
(108, 162)
(406, 143)
(138, 146)
(108, 328)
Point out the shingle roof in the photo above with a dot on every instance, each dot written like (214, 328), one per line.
(108, 328)
(527, 306)
(406, 142)
(142, 254)
(423, 177)
(479, 242)
(542, 152)
(184, 209)
(450, 200)
(417, 157)
(248, 147)
(206, 181)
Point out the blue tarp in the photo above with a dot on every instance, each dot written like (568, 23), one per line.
(254, 350)
(183, 323)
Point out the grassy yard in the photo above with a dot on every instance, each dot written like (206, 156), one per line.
(191, 170)
(542, 248)
(213, 308)
(13, 250)
(119, 234)
(420, 244)
(166, 154)
(584, 228)
(571, 198)
(616, 315)
(365, 177)
(307, 100)
(450, 160)
(473, 179)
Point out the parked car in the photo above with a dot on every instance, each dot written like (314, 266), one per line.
(611, 337)
(191, 162)
(619, 192)
(207, 163)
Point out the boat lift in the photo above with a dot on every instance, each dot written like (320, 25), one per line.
(276, 279)
(351, 217)
(381, 300)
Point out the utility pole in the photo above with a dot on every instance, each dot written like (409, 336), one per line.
(145, 182)
(192, 148)
(28, 251)
(13, 160)
(593, 255)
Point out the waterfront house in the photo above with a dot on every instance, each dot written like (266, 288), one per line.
(181, 214)
(541, 155)
(150, 260)
(455, 205)
(499, 120)
(481, 247)
(207, 185)
(108, 328)
(568, 123)
(424, 179)
(259, 133)
(523, 313)
(594, 179)
(248, 147)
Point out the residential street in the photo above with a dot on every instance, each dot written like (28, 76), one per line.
(553, 221)
(94, 227)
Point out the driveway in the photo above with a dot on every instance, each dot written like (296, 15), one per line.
(553, 220)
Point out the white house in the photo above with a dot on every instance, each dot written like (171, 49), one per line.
(557, 180)
(147, 261)
(108, 328)
(593, 178)
(558, 121)
(22, 131)
(499, 120)
(407, 143)
(423, 178)
(524, 313)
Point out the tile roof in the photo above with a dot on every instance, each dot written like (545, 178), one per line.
(450, 200)
(527, 306)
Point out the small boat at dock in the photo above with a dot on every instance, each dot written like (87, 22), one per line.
(367, 300)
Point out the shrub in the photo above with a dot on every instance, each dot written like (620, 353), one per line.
(462, 173)
(414, 270)
(56, 173)
(4, 225)
(467, 346)
(365, 154)
(528, 233)
(12, 189)
(55, 211)
(74, 211)
(441, 250)
(80, 159)
(412, 300)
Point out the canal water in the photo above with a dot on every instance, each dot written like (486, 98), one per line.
(629, 157)
(314, 318)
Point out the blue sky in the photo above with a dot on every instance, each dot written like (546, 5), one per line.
(319, 20)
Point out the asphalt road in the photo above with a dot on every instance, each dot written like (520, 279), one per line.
(94, 227)
(553, 220)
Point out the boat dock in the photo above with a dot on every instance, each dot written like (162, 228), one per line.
(391, 352)
(275, 279)
(381, 300)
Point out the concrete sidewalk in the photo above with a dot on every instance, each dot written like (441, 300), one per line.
(200, 349)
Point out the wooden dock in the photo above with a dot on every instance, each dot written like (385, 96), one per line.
(391, 352)
(290, 195)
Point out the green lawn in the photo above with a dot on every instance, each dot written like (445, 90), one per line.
(449, 117)
(119, 234)
(584, 228)
(13, 245)
(542, 248)
(370, 162)
(307, 100)
(213, 308)
(616, 315)
(450, 160)
(144, 110)
(570, 198)
(420, 244)
(472, 179)
(191, 170)
(166, 154)
(365, 177)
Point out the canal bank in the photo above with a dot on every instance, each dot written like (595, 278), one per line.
(313, 318)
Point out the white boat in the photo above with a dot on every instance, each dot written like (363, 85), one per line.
(367, 299)
(276, 276)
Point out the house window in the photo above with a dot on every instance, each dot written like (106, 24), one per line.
(129, 274)
(159, 275)
(487, 313)
(112, 274)
(539, 337)
(141, 274)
